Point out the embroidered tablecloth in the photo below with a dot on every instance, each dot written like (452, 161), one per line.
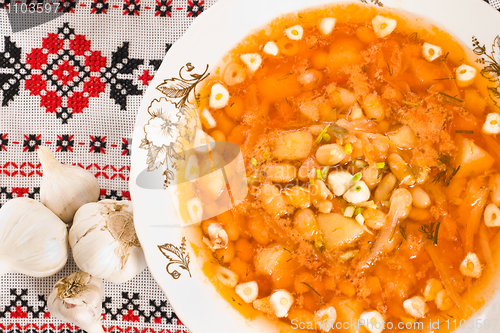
(74, 84)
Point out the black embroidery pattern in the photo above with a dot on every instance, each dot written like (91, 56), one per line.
(16, 71)
(131, 7)
(65, 143)
(195, 8)
(119, 75)
(31, 142)
(7, 193)
(126, 309)
(163, 8)
(67, 6)
(99, 7)
(4, 4)
(97, 144)
(3, 141)
(66, 72)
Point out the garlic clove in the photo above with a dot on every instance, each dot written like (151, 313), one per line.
(373, 321)
(33, 240)
(358, 193)
(471, 266)
(465, 75)
(492, 123)
(195, 210)
(443, 300)
(281, 301)
(327, 25)
(383, 26)
(65, 188)
(326, 314)
(219, 96)
(226, 276)
(416, 307)
(78, 299)
(271, 48)
(295, 33)
(104, 241)
(431, 52)
(252, 60)
(207, 119)
(248, 291)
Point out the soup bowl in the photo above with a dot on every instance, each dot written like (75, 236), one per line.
(166, 126)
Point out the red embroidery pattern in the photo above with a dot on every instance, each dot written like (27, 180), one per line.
(131, 7)
(65, 75)
(163, 8)
(65, 328)
(195, 7)
(31, 142)
(65, 72)
(27, 169)
(99, 7)
(145, 77)
(65, 142)
(97, 144)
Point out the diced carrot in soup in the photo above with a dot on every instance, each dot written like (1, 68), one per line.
(391, 57)
(472, 158)
(235, 108)
(301, 316)
(224, 123)
(344, 52)
(242, 269)
(238, 135)
(347, 311)
(320, 60)
(244, 249)
(425, 73)
(280, 85)
(309, 303)
(464, 124)
(301, 282)
(283, 277)
(366, 35)
(474, 102)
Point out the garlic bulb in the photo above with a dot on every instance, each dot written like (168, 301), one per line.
(104, 241)
(78, 299)
(33, 240)
(65, 188)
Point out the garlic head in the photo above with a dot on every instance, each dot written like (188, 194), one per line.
(33, 240)
(78, 299)
(65, 188)
(104, 241)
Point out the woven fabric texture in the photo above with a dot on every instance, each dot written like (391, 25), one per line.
(75, 84)
(494, 3)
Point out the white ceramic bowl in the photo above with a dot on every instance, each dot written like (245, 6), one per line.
(208, 39)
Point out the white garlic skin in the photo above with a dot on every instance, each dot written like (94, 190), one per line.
(33, 240)
(96, 251)
(77, 299)
(65, 188)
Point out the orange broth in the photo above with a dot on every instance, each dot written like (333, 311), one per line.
(422, 114)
